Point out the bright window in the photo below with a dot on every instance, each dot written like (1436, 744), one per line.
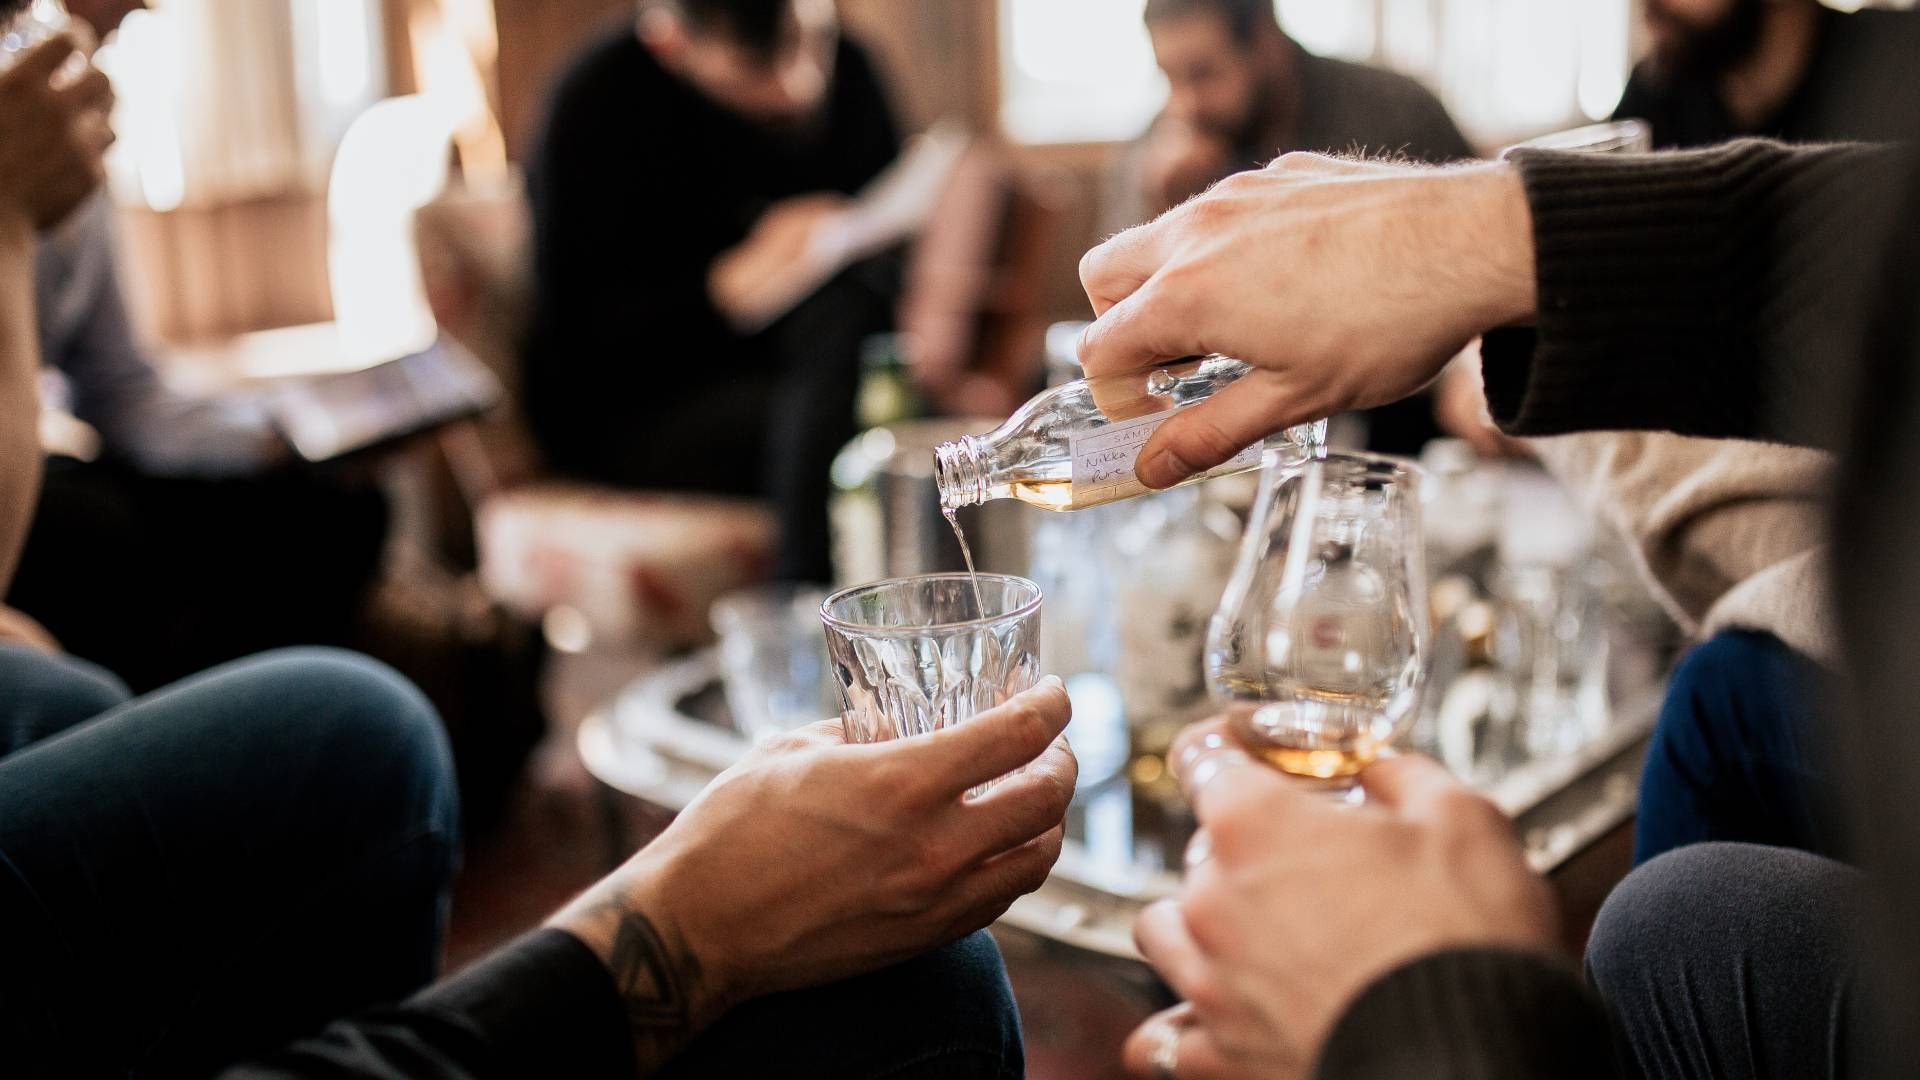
(1076, 70)
(1082, 70)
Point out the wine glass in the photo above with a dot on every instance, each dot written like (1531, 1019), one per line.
(1319, 650)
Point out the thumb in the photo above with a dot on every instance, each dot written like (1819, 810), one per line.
(1205, 435)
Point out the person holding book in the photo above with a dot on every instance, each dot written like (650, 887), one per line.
(688, 161)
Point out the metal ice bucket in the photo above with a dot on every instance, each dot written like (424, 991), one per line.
(886, 509)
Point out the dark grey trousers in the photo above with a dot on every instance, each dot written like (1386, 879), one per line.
(1737, 961)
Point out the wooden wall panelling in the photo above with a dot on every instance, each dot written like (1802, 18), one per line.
(196, 274)
(536, 39)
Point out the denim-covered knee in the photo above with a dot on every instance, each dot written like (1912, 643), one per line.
(42, 696)
(364, 723)
(972, 971)
(1732, 666)
(945, 1015)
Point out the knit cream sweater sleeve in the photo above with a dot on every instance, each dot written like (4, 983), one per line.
(1728, 533)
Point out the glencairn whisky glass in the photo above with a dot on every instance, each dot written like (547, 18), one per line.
(1318, 652)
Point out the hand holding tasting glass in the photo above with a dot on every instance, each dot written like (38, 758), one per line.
(915, 655)
(1318, 652)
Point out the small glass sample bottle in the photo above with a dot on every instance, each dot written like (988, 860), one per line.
(1074, 446)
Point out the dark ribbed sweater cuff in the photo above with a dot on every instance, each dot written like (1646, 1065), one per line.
(1485, 1013)
(543, 1000)
(1655, 274)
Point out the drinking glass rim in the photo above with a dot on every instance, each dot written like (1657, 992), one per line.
(1605, 136)
(1406, 467)
(872, 630)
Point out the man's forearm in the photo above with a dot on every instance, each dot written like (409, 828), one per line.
(20, 454)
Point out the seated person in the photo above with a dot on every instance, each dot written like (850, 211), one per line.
(1787, 69)
(1430, 950)
(687, 158)
(1728, 535)
(1240, 92)
(192, 539)
(216, 879)
(1729, 531)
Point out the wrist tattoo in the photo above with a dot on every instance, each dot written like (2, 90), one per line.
(657, 978)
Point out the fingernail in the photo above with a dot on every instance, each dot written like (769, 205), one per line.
(1054, 680)
(1164, 470)
(1190, 753)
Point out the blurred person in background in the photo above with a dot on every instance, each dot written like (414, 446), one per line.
(1788, 69)
(193, 537)
(1741, 751)
(1729, 533)
(688, 158)
(1240, 92)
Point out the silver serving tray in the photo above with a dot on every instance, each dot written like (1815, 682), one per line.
(648, 744)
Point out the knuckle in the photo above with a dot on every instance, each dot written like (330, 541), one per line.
(1206, 995)
(1204, 912)
(1035, 874)
(927, 869)
(1027, 725)
(1236, 184)
(1174, 294)
(1062, 787)
(1462, 809)
(1091, 265)
(1210, 211)
(895, 789)
(1297, 161)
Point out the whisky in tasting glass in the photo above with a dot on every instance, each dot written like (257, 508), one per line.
(1318, 652)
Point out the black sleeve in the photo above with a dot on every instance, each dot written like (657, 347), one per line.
(542, 1006)
(1712, 292)
(1490, 1014)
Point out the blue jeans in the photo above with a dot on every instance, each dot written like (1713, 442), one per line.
(948, 1015)
(1738, 754)
(215, 869)
(200, 875)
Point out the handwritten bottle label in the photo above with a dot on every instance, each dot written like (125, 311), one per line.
(1103, 458)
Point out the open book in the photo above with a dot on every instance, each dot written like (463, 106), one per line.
(892, 208)
(329, 416)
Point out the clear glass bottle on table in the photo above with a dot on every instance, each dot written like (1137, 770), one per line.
(1074, 446)
(887, 392)
(1476, 721)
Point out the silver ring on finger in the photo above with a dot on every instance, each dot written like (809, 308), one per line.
(1165, 1057)
(1199, 849)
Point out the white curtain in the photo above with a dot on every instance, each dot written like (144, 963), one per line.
(224, 100)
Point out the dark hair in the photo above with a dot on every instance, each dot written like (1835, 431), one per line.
(755, 24)
(1245, 19)
(10, 8)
